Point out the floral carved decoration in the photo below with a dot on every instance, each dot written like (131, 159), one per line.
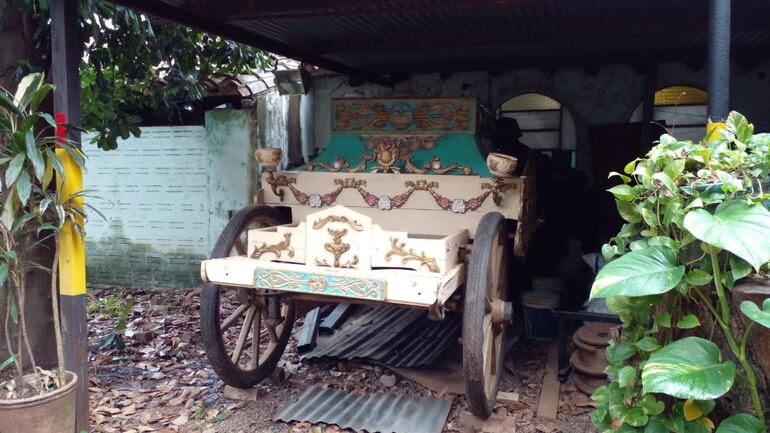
(284, 245)
(399, 249)
(386, 202)
(338, 248)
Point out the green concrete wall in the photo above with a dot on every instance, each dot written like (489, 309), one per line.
(166, 196)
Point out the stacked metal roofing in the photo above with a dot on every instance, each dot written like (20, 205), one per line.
(385, 413)
(395, 336)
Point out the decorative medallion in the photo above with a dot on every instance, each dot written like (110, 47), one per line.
(314, 200)
(384, 203)
(338, 248)
(331, 285)
(284, 245)
(399, 249)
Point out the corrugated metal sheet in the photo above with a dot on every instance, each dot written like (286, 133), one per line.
(385, 413)
(443, 35)
(395, 336)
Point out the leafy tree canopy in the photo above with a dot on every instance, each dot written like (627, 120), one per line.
(134, 64)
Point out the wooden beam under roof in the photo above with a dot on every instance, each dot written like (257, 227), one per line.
(179, 14)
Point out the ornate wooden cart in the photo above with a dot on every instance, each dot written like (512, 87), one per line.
(403, 208)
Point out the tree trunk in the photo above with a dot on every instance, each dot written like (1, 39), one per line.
(14, 43)
(16, 46)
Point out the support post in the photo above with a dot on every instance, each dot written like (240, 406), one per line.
(66, 53)
(718, 80)
(648, 106)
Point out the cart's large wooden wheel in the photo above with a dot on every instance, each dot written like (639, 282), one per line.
(485, 313)
(244, 332)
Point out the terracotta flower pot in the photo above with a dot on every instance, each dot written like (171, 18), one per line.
(48, 413)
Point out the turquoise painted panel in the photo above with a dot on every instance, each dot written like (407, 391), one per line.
(447, 115)
(451, 149)
(320, 284)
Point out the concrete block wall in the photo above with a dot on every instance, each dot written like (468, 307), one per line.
(165, 197)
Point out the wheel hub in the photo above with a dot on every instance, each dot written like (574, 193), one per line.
(502, 312)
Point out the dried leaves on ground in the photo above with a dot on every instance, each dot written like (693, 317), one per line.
(149, 373)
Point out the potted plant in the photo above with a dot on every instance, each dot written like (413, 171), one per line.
(32, 210)
(696, 222)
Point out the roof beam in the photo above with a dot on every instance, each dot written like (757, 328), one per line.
(254, 10)
(206, 24)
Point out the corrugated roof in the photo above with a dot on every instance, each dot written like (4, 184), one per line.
(386, 413)
(395, 336)
(376, 37)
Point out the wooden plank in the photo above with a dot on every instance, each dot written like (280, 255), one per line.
(548, 406)
(309, 331)
(405, 287)
(336, 317)
(67, 50)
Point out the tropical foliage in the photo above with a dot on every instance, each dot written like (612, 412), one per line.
(134, 65)
(695, 222)
(32, 210)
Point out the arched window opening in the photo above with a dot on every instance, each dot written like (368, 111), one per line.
(682, 109)
(545, 123)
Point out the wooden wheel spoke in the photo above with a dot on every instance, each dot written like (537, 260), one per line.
(232, 318)
(245, 331)
(272, 333)
(240, 247)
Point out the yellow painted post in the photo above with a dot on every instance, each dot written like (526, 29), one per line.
(72, 253)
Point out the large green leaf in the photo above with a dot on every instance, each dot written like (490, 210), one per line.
(35, 155)
(14, 168)
(735, 226)
(27, 88)
(649, 271)
(753, 312)
(740, 423)
(690, 368)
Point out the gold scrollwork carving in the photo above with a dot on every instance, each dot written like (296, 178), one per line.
(284, 245)
(339, 164)
(338, 248)
(355, 225)
(399, 249)
(498, 188)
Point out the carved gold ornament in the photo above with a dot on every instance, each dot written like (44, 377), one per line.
(284, 245)
(338, 248)
(355, 225)
(339, 164)
(498, 187)
(399, 249)
(457, 205)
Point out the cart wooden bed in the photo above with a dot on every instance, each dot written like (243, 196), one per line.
(401, 208)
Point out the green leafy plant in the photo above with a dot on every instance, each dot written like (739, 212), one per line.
(134, 65)
(119, 308)
(32, 210)
(695, 222)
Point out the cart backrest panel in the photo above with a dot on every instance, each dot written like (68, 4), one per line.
(416, 165)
